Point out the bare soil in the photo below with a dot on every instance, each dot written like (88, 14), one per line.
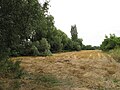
(83, 70)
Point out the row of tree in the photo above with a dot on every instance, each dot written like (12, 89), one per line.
(26, 28)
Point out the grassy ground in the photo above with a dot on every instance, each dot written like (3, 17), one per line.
(84, 70)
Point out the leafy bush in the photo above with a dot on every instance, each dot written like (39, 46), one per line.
(73, 46)
(110, 43)
(56, 44)
(76, 46)
(44, 47)
(34, 51)
(89, 47)
(46, 53)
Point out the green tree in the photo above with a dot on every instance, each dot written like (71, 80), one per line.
(110, 42)
(74, 33)
(18, 22)
(57, 40)
(72, 46)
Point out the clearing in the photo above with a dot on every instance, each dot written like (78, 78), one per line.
(83, 70)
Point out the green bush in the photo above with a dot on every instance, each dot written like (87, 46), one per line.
(44, 47)
(47, 53)
(76, 46)
(56, 44)
(110, 43)
(89, 47)
(14, 53)
(34, 51)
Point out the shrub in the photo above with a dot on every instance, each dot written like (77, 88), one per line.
(34, 51)
(76, 46)
(44, 47)
(56, 44)
(110, 43)
(46, 53)
(14, 53)
(115, 53)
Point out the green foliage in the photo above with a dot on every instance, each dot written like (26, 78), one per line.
(26, 48)
(110, 43)
(34, 51)
(24, 23)
(73, 46)
(74, 33)
(10, 69)
(69, 45)
(44, 47)
(88, 47)
(57, 40)
(56, 44)
(76, 46)
(79, 40)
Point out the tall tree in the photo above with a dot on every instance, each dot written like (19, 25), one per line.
(74, 33)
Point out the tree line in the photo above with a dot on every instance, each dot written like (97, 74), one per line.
(110, 42)
(26, 28)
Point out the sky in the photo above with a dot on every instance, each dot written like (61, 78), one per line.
(93, 18)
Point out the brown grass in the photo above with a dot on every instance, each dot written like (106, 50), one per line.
(84, 70)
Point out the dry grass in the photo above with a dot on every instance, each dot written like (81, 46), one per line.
(84, 70)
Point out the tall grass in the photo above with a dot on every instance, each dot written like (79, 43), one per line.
(115, 53)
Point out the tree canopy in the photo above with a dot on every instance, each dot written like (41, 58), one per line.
(110, 42)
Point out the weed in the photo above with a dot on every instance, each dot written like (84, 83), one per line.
(47, 80)
(10, 69)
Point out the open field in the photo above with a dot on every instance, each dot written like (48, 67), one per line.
(84, 70)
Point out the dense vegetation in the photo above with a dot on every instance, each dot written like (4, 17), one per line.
(26, 28)
(112, 45)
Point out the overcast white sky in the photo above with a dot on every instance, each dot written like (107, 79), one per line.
(94, 18)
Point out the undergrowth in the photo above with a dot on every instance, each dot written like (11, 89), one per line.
(10, 69)
(115, 53)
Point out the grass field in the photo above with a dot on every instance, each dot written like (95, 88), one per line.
(84, 70)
